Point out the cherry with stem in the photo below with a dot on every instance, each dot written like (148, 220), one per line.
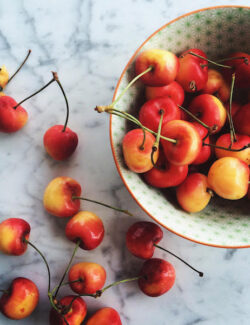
(20, 67)
(35, 93)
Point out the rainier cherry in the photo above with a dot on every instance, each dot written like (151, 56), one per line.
(20, 300)
(228, 177)
(164, 67)
(105, 316)
(193, 194)
(137, 150)
(216, 85)
(60, 141)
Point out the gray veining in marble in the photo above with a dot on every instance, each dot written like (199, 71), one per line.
(88, 43)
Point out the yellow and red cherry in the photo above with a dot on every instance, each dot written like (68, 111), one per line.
(87, 228)
(164, 67)
(4, 77)
(14, 234)
(173, 90)
(241, 68)
(188, 142)
(157, 276)
(228, 177)
(20, 300)
(105, 316)
(12, 118)
(205, 151)
(210, 110)
(193, 72)
(217, 86)
(59, 140)
(137, 150)
(241, 141)
(91, 276)
(242, 120)
(194, 194)
(150, 112)
(58, 197)
(73, 309)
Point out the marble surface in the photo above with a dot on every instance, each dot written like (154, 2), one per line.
(88, 43)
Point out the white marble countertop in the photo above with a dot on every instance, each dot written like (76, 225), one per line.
(88, 43)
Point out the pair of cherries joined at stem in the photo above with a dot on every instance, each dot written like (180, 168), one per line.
(165, 143)
(59, 141)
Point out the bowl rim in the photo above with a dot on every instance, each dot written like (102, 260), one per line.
(110, 125)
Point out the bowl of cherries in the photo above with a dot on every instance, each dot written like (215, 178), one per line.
(180, 126)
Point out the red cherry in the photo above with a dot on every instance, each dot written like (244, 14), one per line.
(141, 237)
(150, 112)
(60, 144)
(74, 316)
(241, 68)
(157, 277)
(193, 72)
(241, 120)
(173, 90)
(170, 175)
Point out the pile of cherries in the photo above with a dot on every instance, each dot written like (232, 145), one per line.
(86, 279)
(198, 150)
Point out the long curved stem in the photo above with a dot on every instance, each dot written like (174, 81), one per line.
(68, 267)
(20, 67)
(35, 93)
(235, 58)
(165, 250)
(100, 292)
(227, 149)
(130, 84)
(210, 61)
(44, 259)
(66, 100)
(103, 204)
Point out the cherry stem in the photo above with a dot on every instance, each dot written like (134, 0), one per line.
(44, 259)
(228, 149)
(103, 204)
(232, 131)
(38, 91)
(130, 118)
(130, 84)
(65, 97)
(210, 61)
(20, 67)
(156, 143)
(68, 267)
(235, 58)
(100, 292)
(210, 129)
(200, 273)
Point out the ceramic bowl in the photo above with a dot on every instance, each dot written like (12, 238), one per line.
(217, 31)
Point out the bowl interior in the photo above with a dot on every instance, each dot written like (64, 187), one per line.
(217, 31)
